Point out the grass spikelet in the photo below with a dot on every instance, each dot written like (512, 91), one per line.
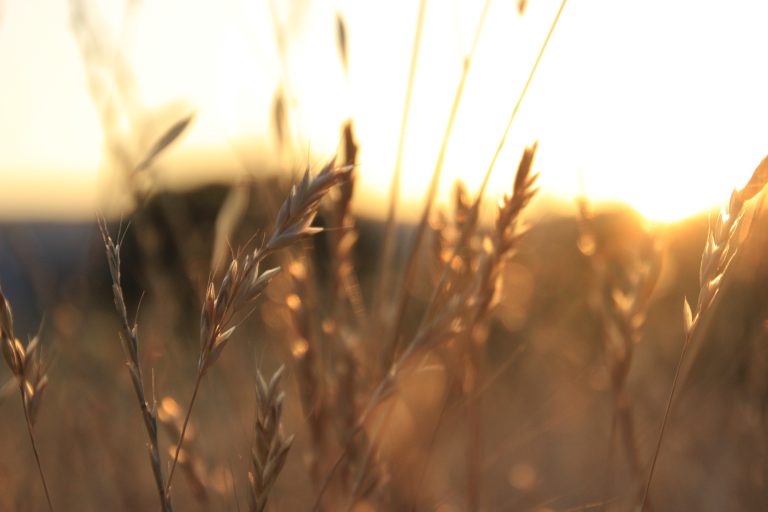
(26, 365)
(243, 282)
(722, 245)
(129, 337)
(270, 445)
(462, 311)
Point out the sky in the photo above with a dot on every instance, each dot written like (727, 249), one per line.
(658, 104)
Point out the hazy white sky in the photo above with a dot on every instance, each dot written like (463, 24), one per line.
(661, 104)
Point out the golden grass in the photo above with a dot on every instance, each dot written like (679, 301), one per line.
(386, 376)
(350, 398)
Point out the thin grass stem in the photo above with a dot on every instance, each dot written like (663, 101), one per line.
(28, 422)
(394, 191)
(411, 265)
(664, 421)
(198, 380)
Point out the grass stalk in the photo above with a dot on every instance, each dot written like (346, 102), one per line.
(386, 263)
(30, 431)
(169, 416)
(25, 363)
(243, 282)
(408, 275)
(270, 446)
(723, 242)
(468, 307)
(130, 341)
(184, 425)
(665, 420)
(474, 212)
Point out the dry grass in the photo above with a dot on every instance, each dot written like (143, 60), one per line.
(270, 445)
(26, 365)
(481, 372)
(723, 241)
(345, 399)
(244, 282)
(130, 341)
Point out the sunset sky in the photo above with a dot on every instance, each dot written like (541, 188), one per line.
(659, 104)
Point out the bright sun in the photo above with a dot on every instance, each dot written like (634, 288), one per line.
(660, 105)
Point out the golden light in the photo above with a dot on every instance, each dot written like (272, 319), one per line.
(658, 105)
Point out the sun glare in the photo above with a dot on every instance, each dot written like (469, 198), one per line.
(657, 105)
(668, 124)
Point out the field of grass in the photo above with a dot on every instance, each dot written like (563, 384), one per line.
(259, 346)
(532, 373)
